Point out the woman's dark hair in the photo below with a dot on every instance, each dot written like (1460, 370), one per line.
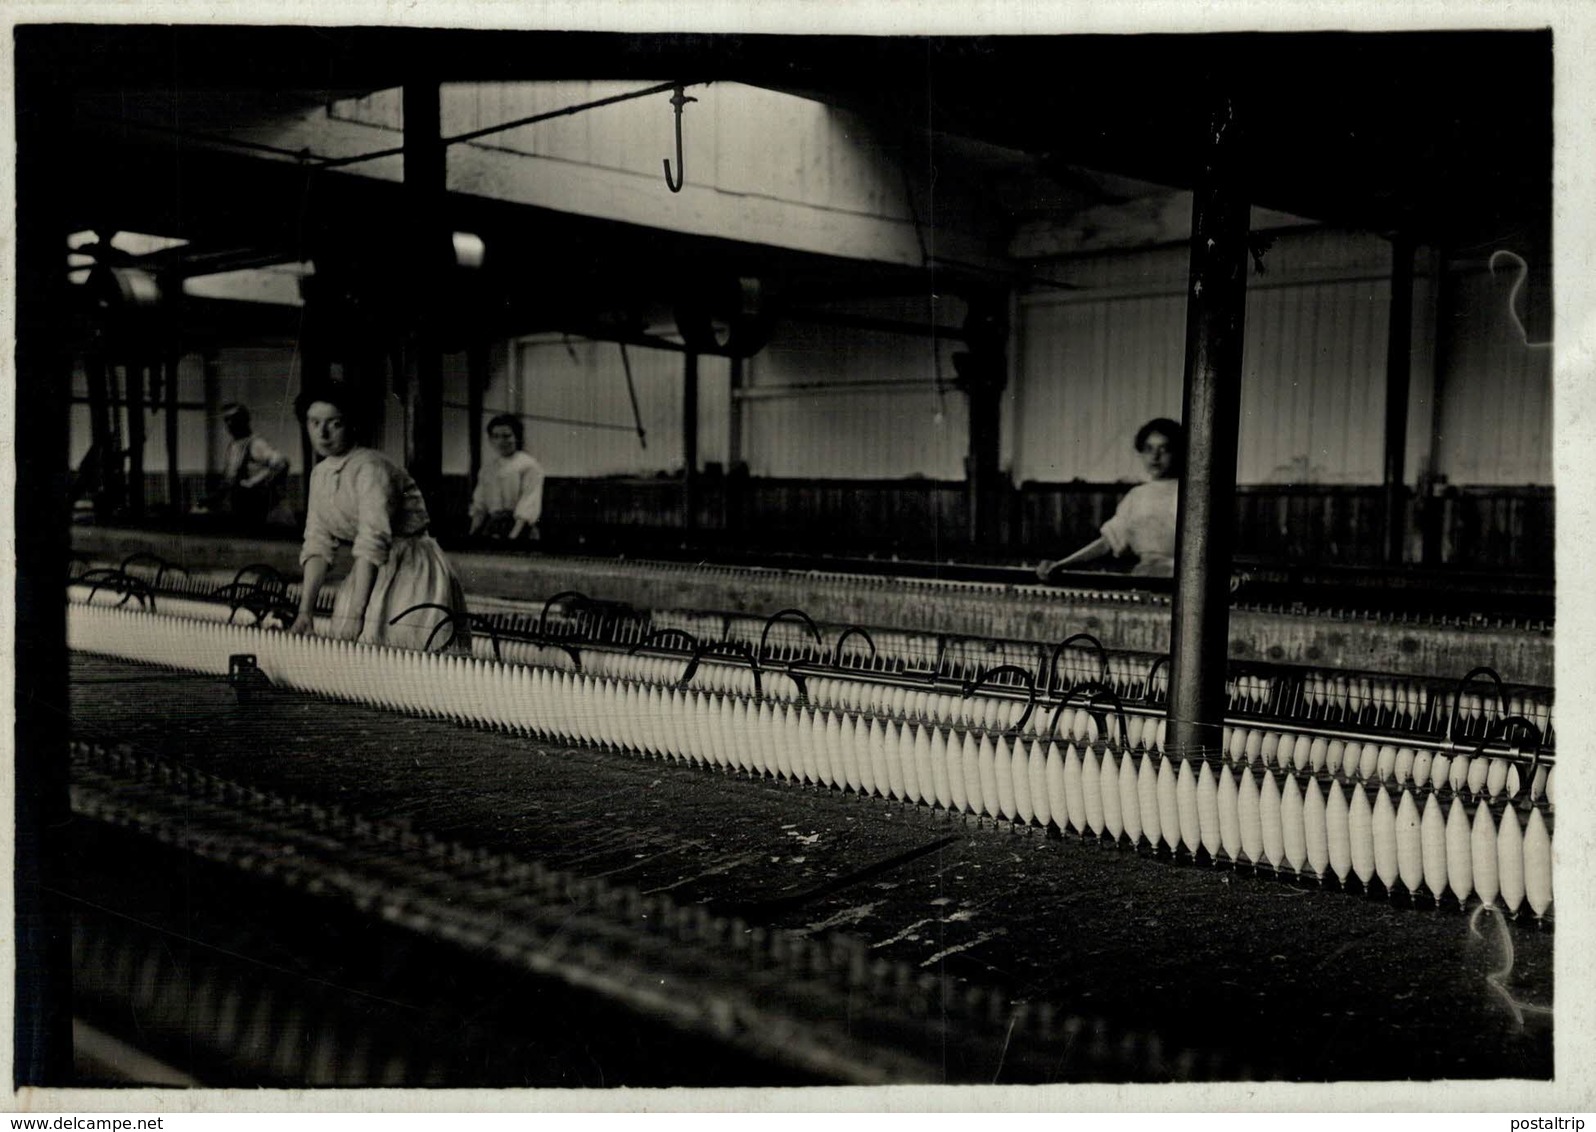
(511, 422)
(1170, 430)
(351, 405)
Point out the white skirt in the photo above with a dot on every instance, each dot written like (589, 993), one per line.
(416, 574)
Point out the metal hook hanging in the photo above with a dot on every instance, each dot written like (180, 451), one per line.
(675, 182)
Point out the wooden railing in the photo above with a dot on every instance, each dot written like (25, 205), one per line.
(1507, 529)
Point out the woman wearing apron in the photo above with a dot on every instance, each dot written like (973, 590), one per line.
(361, 499)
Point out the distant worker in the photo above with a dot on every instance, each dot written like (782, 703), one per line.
(1144, 522)
(254, 474)
(508, 501)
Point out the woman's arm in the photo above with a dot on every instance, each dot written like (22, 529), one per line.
(529, 504)
(309, 590)
(479, 498)
(273, 463)
(1097, 548)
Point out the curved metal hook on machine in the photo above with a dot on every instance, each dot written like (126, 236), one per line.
(1092, 690)
(1106, 692)
(262, 602)
(1500, 729)
(1457, 696)
(692, 641)
(842, 639)
(118, 582)
(1152, 673)
(770, 621)
(161, 564)
(543, 617)
(971, 688)
(451, 618)
(268, 574)
(1058, 651)
(737, 648)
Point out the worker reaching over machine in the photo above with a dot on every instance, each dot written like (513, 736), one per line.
(1144, 523)
(361, 499)
(508, 501)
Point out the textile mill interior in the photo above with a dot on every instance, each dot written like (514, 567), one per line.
(598, 560)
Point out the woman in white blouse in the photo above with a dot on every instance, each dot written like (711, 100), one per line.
(1144, 522)
(361, 499)
(509, 493)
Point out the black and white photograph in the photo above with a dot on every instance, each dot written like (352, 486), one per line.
(795, 553)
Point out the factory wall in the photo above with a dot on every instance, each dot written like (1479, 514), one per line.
(1496, 398)
(827, 403)
(1104, 351)
(1100, 358)
(572, 396)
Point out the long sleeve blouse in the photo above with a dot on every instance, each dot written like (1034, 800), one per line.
(363, 500)
(513, 484)
(1144, 524)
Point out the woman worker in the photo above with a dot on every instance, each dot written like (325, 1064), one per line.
(361, 499)
(509, 492)
(1144, 522)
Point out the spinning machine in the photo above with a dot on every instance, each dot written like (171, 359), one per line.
(1436, 789)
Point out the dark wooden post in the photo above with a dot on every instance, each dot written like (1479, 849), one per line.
(174, 475)
(1432, 507)
(734, 415)
(476, 390)
(107, 446)
(135, 436)
(982, 373)
(1398, 371)
(315, 366)
(42, 1009)
(425, 189)
(211, 378)
(690, 440)
(1216, 308)
(731, 509)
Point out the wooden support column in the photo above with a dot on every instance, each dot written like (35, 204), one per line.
(314, 370)
(1432, 507)
(1398, 369)
(107, 449)
(982, 374)
(1216, 307)
(981, 462)
(174, 475)
(135, 437)
(211, 382)
(690, 440)
(42, 1008)
(476, 391)
(734, 486)
(734, 415)
(429, 252)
